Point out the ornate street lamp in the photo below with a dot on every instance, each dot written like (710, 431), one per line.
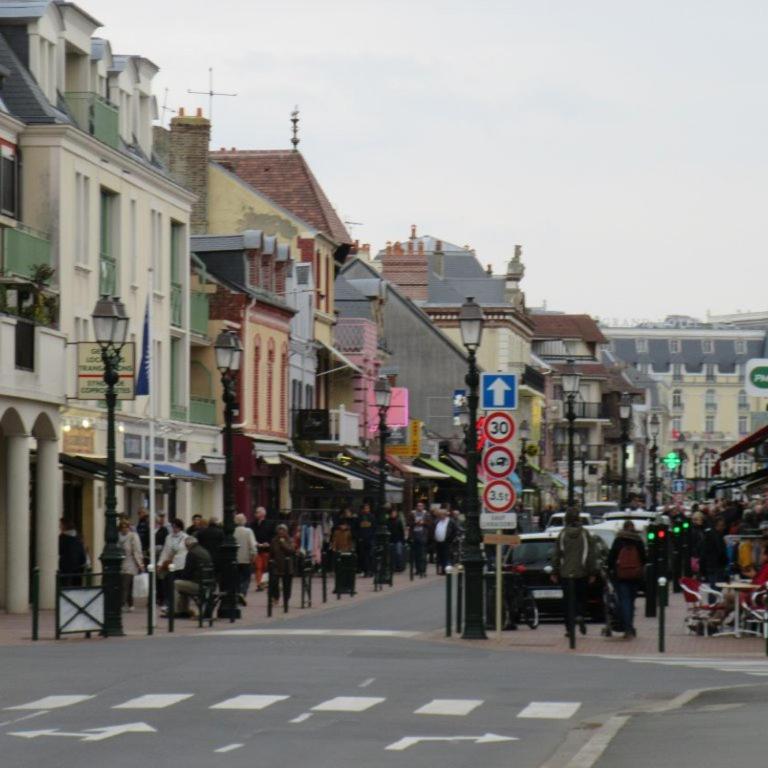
(110, 324)
(653, 431)
(570, 379)
(583, 451)
(471, 327)
(382, 393)
(625, 414)
(228, 356)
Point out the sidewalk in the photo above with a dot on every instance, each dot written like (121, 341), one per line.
(16, 629)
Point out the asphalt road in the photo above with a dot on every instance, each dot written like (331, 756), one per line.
(346, 698)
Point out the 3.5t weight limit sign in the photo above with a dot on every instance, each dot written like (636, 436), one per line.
(499, 496)
(499, 427)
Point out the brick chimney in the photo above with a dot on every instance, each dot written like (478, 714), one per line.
(188, 162)
(408, 269)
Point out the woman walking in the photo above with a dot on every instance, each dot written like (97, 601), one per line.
(133, 560)
(626, 566)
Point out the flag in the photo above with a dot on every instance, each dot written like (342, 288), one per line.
(142, 378)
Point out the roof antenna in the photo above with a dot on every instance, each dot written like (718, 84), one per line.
(210, 93)
(165, 108)
(295, 121)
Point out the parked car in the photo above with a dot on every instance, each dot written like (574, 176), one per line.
(598, 509)
(557, 520)
(533, 557)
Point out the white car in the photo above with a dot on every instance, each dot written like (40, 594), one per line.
(557, 520)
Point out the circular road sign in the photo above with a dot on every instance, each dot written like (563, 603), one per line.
(499, 427)
(498, 461)
(499, 496)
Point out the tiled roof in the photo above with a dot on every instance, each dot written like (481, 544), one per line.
(284, 176)
(556, 326)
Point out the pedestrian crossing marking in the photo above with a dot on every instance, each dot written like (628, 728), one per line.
(550, 710)
(154, 701)
(455, 707)
(52, 702)
(754, 668)
(348, 704)
(249, 701)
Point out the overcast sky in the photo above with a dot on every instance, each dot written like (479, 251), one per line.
(623, 144)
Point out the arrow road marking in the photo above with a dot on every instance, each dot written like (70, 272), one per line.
(499, 389)
(410, 741)
(90, 734)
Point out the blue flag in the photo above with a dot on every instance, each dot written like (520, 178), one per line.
(142, 378)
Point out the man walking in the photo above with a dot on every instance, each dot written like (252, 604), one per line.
(445, 533)
(574, 566)
(246, 553)
(417, 533)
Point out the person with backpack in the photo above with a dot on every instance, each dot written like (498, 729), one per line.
(626, 567)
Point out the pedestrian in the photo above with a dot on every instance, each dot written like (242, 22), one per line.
(197, 523)
(444, 534)
(417, 533)
(626, 566)
(187, 583)
(574, 566)
(246, 555)
(210, 536)
(173, 556)
(72, 555)
(282, 552)
(696, 538)
(133, 560)
(366, 529)
(396, 539)
(714, 554)
(142, 528)
(263, 532)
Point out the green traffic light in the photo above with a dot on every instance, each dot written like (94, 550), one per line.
(676, 529)
(686, 524)
(651, 535)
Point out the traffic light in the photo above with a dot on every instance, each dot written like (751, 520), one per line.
(686, 524)
(672, 460)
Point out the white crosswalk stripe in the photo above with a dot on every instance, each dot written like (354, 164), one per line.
(52, 702)
(249, 701)
(154, 701)
(348, 704)
(754, 667)
(550, 710)
(454, 707)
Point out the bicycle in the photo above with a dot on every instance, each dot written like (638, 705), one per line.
(520, 604)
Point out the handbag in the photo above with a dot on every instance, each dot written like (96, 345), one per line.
(141, 585)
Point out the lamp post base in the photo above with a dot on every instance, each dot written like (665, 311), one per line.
(474, 622)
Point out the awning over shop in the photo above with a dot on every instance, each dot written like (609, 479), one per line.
(750, 441)
(213, 465)
(414, 471)
(179, 473)
(339, 357)
(753, 478)
(323, 471)
(96, 467)
(444, 469)
(370, 475)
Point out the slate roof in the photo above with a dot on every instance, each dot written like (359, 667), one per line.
(23, 9)
(285, 176)
(349, 301)
(557, 326)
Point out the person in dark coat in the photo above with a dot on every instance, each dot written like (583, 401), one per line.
(366, 531)
(188, 582)
(211, 536)
(281, 553)
(142, 528)
(714, 554)
(72, 556)
(396, 539)
(626, 567)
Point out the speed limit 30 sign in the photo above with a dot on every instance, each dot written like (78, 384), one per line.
(499, 427)
(499, 496)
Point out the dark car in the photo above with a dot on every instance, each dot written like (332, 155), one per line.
(532, 558)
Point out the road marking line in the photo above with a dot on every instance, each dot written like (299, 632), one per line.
(550, 710)
(412, 741)
(311, 633)
(249, 701)
(26, 717)
(366, 682)
(348, 704)
(228, 748)
(154, 701)
(52, 702)
(456, 707)
(590, 753)
(301, 718)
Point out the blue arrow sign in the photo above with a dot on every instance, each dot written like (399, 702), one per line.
(498, 391)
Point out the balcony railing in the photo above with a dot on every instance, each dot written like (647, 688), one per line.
(594, 452)
(584, 410)
(344, 428)
(199, 312)
(533, 379)
(202, 410)
(176, 305)
(23, 250)
(178, 412)
(95, 115)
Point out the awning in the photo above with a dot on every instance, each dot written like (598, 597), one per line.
(323, 471)
(214, 465)
(417, 472)
(338, 356)
(750, 441)
(444, 469)
(96, 467)
(366, 474)
(171, 470)
(558, 480)
(752, 478)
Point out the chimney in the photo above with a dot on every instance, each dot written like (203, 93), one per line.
(410, 247)
(407, 268)
(489, 270)
(188, 163)
(420, 248)
(413, 231)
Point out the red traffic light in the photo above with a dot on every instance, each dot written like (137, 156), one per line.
(661, 534)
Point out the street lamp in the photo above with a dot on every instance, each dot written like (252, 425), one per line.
(583, 450)
(383, 395)
(571, 380)
(228, 356)
(110, 324)
(524, 431)
(653, 431)
(625, 414)
(471, 327)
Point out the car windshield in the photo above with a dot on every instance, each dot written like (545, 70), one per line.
(532, 553)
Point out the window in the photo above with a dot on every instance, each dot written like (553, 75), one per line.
(674, 346)
(270, 383)
(296, 389)
(709, 424)
(677, 398)
(256, 381)
(82, 219)
(156, 249)
(641, 346)
(176, 378)
(108, 271)
(132, 249)
(177, 260)
(709, 372)
(743, 427)
(743, 400)
(743, 464)
(25, 344)
(677, 425)
(740, 346)
(707, 346)
(309, 396)
(710, 400)
(132, 446)
(677, 372)
(643, 367)
(9, 190)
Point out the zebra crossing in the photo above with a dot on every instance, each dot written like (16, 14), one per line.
(261, 701)
(752, 667)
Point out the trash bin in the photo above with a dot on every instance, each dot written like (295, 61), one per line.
(345, 567)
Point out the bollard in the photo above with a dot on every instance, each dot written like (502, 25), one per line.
(650, 589)
(171, 599)
(662, 582)
(151, 601)
(270, 588)
(324, 576)
(58, 613)
(448, 600)
(571, 612)
(35, 603)
(459, 599)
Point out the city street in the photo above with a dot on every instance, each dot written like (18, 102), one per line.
(370, 683)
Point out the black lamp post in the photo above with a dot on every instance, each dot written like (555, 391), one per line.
(228, 356)
(653, 430)
(524, 431)
(382, 394)
(471, 326)
(571, 380)
(625, 414)
(583, 450)
(110, 324)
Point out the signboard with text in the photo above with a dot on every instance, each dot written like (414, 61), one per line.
(90, 372)
(756, 382)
